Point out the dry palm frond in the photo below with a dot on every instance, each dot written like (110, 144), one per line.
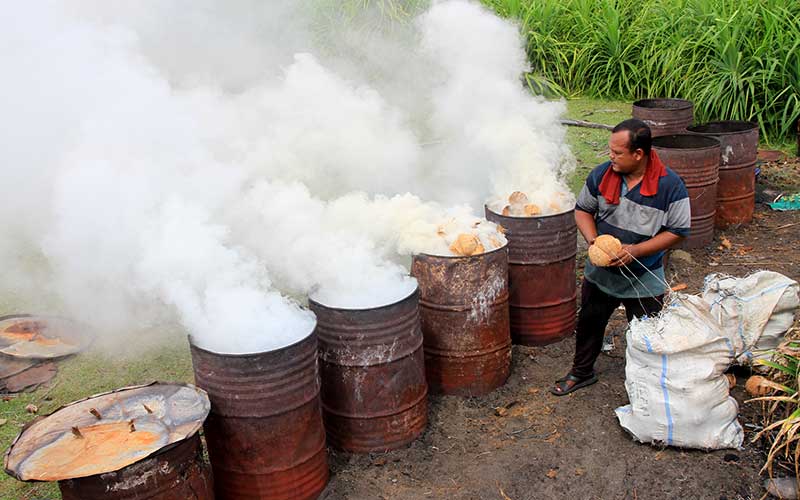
(781, 409)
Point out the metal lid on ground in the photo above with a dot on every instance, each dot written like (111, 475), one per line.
(107, 432)
(41, 337)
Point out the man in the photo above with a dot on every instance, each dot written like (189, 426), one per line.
(645, 205)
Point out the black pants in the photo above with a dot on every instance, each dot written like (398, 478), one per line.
(596, 309)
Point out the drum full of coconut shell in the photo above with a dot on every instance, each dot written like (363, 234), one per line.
(264, 434)
(541, 276)
(374, 394)
(465, 322)
(134, 443)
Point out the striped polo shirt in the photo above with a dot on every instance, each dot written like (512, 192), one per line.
(637, 218)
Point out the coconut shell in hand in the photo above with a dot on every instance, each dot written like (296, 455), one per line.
(604, 249)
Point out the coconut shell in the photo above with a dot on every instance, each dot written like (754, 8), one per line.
(604, 249)
(467, 245)
(531, 210)
(518, 198)
(758, 386)
(731, 380)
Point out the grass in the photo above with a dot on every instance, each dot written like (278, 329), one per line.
(734, 60)
(590, 145)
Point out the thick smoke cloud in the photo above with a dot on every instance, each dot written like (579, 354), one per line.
(215, 163)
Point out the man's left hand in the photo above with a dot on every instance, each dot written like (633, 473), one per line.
(624, 257)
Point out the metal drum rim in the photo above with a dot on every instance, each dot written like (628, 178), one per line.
(251, 354)
(716, 144)
(750, 127)
(684, 103)
(535, 217)
(458, 257)
(364, 309)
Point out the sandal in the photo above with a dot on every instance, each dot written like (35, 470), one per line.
(562, 389)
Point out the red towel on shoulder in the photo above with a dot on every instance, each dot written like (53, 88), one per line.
(611, 185)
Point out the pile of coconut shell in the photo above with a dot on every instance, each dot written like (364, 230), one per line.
(477, 237)
(519, 205)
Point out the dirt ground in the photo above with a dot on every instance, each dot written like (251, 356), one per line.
(573, 447)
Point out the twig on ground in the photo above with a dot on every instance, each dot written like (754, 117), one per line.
(585, 124)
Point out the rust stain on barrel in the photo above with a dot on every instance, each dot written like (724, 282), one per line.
(374, 394)
(465, 321)
(541, 268)
(664, 116)
(175, 473)
(737, 177)
(265, 434)
(696, 159)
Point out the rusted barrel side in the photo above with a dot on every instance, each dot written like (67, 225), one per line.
(265, 434)
(175, 473)
(541, 270)
(696, 159)
(374, 395)
(736, 190)
(465, 323)
(664, 116)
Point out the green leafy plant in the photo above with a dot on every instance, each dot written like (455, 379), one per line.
(735, 60)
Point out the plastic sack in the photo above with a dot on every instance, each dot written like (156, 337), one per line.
(754, 312)
(674, 376)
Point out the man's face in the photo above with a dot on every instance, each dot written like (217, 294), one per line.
(623, 161)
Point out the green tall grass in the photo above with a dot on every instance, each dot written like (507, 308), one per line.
(736, 60)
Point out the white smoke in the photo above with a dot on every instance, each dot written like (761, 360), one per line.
(197, 159)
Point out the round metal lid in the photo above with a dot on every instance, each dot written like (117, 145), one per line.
(41, 337)
(106, 432)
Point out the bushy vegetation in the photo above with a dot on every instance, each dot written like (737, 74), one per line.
(781, 409)
(735, 60)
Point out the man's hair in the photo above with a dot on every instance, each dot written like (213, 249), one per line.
(639, 136)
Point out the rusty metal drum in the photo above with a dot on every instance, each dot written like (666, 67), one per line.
(465, 321)
(541, 276)
(176, 473)
(736, 189)
(265, 434)
(374, 394)
(696, 159)
(664, 116)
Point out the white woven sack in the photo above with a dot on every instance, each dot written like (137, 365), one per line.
(674, 375)
(754, 312)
